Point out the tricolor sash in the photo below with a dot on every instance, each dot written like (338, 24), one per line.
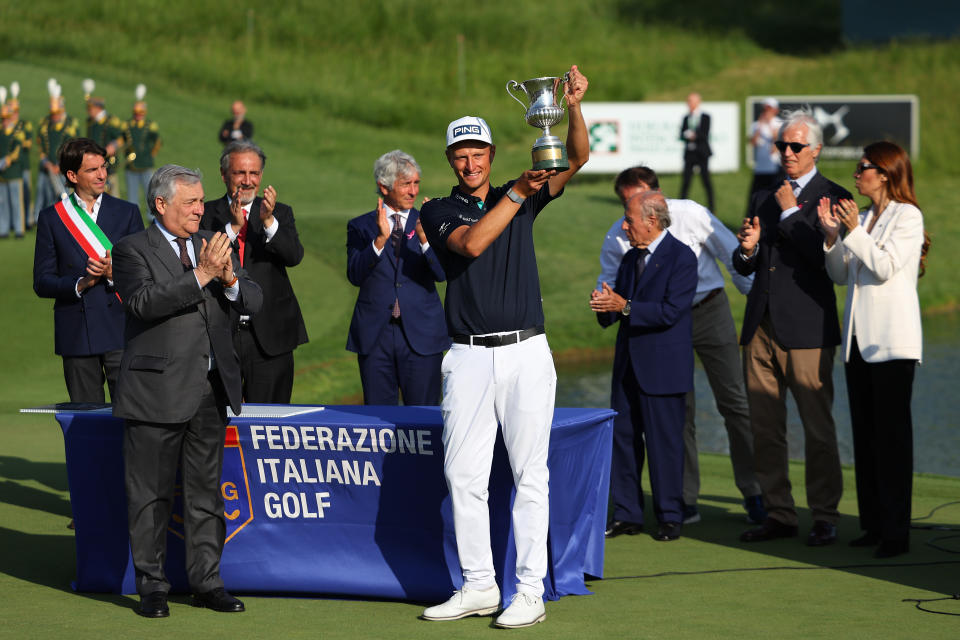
(84, 230)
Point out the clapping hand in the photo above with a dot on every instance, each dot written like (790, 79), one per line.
(749, 235)
(828, 222)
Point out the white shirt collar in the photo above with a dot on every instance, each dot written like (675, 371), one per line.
(404, 213)
(656, 243)
(805, 179)
(83, 205)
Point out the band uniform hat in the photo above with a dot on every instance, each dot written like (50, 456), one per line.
(468, 128)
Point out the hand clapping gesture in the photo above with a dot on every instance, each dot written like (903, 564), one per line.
(214, 259)
(749, 235)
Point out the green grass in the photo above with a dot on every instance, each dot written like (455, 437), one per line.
(330, 86)
(705, 585)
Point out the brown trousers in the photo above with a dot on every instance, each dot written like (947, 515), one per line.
(769, 370)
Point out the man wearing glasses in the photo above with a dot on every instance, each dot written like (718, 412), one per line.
(790, 332)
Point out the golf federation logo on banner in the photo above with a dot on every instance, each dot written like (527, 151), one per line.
(234, 487)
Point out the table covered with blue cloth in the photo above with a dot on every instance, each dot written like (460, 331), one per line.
(344, 500)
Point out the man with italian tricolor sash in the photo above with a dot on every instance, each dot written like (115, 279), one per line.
(72, 265)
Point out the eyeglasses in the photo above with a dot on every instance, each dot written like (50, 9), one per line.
(863, 166)
(796, 147)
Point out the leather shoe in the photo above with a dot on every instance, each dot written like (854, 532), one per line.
(866, 540)
(770, 529)
(154, 605)
(822, 534)
(619, 527)
(218, 600)
(668, 531)
(891, 548)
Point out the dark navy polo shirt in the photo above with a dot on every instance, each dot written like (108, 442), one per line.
(499, 290)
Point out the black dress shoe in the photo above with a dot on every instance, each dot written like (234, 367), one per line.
(618, 527)
(822, 534)
(770, 529)
(866, 540)
(891, 548)
(218, 600)
(154, 605)
(668, 531)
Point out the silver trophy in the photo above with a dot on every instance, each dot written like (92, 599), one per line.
(543, 112)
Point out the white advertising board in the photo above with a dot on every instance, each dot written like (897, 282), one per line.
(625, 134)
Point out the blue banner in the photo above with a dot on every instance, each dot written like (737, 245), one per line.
(346, 500)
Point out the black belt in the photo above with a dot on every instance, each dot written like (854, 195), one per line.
(707, 298)
(500, 339)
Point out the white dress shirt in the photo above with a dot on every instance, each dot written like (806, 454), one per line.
(693, 225)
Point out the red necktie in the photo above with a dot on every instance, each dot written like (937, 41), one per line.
(242, 240)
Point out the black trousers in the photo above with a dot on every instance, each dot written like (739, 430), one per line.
(85, 375)
(267, 379)
(691, 160)
(152, 453)
(880, 396)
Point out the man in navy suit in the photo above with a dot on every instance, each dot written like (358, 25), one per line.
(790, 332)
(398, 329)
(263, 233)
(652, 366)
(88, 314)
(695, 133)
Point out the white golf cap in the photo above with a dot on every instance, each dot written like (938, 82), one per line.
(771, 102)
(468, 128)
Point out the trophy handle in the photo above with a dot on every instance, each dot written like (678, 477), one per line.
(515, 84)
(566, 79)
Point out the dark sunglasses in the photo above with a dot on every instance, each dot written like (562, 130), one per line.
(796, 147)
(863, 166)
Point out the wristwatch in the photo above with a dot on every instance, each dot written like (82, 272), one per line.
(516, 197)
(626, 309)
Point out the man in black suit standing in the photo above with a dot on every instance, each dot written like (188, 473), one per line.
(790, 332)
(178, 373)
(267, 244)
(695, 132)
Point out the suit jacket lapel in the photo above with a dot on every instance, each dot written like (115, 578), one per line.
(163, 250)
(653, 262)
(195, 239)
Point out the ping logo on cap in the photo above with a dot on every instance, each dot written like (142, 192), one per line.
(467, 129)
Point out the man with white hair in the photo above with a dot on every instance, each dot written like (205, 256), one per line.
(790, 332)
(398, 331)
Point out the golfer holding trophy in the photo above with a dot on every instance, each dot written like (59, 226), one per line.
(499, 373)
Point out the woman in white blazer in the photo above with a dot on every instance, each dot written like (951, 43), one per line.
(879, 258)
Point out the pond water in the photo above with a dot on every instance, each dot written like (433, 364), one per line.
(936, 401)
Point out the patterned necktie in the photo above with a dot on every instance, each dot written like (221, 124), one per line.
(642, 262)
(395, 241)
(796, 187)
(396, 234)
(184, 255)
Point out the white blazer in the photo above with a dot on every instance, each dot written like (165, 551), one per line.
(880, 271)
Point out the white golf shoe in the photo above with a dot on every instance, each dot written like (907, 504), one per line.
(466, 602)
(525, 610)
